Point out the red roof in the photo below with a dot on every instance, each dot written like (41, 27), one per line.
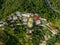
(36, 18)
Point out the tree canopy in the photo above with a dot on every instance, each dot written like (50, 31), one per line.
(33, 6)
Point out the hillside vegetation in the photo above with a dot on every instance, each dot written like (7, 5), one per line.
(33, 6)
(18, 36)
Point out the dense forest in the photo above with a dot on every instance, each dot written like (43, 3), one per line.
(33, 6)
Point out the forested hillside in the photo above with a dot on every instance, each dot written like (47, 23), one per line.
(34, 6)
